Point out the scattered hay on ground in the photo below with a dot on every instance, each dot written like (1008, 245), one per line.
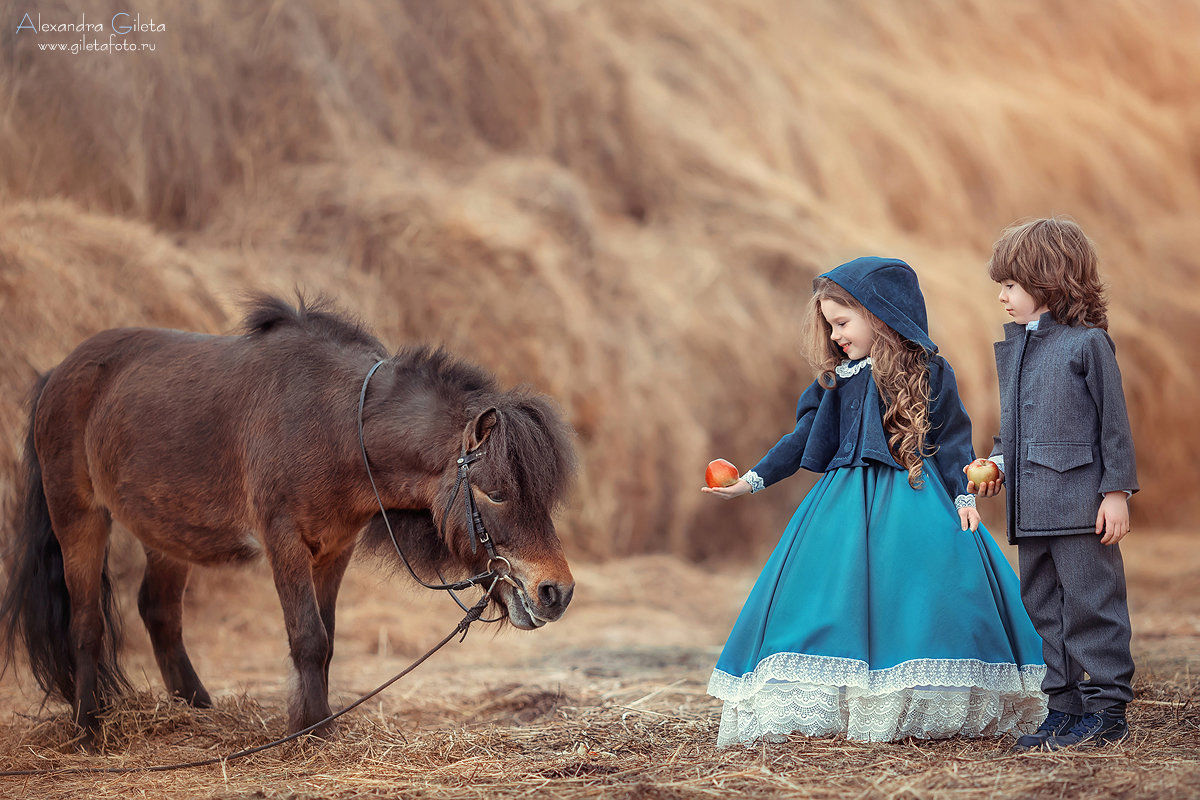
(649, 738)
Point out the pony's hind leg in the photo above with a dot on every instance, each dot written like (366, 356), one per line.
(327, 580)
(94, 626)
(160, 602)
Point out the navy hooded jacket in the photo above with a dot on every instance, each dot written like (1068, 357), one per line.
(843, 426)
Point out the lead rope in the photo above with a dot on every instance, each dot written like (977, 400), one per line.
(473, 614)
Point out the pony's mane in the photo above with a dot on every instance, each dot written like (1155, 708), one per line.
(267, 314)
(532, 436)
(440, 368)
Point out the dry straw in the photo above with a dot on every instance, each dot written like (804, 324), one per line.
(608, 702)
(604, 738)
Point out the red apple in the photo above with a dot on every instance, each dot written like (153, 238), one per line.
(981, 471)
(720, 473)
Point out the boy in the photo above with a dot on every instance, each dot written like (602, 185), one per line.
(1066, 446)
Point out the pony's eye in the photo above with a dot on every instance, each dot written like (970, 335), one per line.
(496, 497)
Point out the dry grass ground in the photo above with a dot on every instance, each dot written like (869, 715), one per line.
(609, 702)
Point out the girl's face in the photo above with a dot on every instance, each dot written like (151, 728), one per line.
(1018, 302)
(849, 329)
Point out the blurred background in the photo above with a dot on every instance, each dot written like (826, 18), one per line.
(619, 202)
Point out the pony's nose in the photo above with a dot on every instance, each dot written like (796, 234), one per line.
(554, 597)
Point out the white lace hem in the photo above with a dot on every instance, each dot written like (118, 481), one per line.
(756, 483)
(925, 698)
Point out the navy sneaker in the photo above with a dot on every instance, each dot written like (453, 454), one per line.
(1093, 730)
(1056, 722)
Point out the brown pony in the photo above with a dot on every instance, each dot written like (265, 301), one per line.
(216, 449)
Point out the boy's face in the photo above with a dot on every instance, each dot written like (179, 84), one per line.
(1018, 302)
(849, 329)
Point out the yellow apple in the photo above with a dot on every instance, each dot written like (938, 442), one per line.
(981, 471)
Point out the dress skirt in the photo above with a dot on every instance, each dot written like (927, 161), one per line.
(876, 617)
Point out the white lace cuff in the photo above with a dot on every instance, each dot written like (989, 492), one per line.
(964, 501)
(756, 483)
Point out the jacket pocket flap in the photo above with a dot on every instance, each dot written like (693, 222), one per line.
(1060, 456)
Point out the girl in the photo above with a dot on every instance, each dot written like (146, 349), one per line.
(1065, 439)
(878, 615)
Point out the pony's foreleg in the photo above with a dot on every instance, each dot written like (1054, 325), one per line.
(309, 644)
(160, 602)
(327, 580)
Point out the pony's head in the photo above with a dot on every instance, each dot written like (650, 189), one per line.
(451, 448)
(517, 460)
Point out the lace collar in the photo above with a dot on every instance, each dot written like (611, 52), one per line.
(848, 369)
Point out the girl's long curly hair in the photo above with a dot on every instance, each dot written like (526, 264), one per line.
(1054, 261)
(901, 371)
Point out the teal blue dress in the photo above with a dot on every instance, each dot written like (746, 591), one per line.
(878, 618)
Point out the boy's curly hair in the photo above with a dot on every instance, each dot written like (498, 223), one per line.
(901, 370)
(1055, 262)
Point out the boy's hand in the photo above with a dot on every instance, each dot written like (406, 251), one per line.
(969, 518)
(728, 492)
(989, 489)
(1113, 518)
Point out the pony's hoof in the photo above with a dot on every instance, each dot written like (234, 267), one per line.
(86, 742)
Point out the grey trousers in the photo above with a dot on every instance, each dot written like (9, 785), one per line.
(1074, 590)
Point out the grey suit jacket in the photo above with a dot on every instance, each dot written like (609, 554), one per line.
(1064, 430)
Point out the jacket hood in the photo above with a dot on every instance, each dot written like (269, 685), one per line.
(888, 288)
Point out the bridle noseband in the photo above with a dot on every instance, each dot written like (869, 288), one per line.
(475, 528)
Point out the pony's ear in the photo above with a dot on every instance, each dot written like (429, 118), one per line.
(478, 431)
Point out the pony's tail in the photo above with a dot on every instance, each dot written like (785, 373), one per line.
(35, 608)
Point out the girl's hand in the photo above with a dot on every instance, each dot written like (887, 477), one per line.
(728, 492)
(1113, 518)
(969, 518)
(989, 489)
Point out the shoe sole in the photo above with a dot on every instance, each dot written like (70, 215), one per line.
(1039, 746)
(1086, 744)
(1092, 744)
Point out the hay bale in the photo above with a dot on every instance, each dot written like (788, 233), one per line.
(623, 205)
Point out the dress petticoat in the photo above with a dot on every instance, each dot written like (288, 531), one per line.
(878, 618)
